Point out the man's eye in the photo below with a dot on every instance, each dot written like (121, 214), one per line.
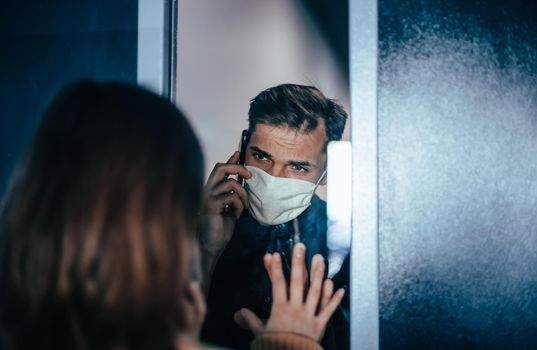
(260, 156)
(299, 168)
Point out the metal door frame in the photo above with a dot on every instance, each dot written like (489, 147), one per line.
(363, 50)
(157, 28)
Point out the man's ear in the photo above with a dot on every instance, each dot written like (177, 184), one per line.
(324, 180)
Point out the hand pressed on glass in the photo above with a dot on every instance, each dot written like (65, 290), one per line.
(296, 309)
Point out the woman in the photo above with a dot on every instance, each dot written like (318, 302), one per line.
(97, 233)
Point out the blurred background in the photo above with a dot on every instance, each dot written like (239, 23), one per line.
(228, 51)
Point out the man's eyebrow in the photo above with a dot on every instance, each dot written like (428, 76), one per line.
(303, 163)
(265, 153)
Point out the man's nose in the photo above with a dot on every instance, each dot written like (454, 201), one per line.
(277, 171)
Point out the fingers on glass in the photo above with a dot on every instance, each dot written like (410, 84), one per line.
(267, 262)
(249, 320)
(327, 311)
(328, 290)
(297, 274)
(319, 298)
(316, 283)
(279, 288)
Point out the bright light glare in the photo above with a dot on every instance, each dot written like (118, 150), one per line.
(339, 204)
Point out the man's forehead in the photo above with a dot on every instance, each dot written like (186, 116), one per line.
(285, 141)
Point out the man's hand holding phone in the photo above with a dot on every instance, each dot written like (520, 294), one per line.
(223, 195)
(224, 200)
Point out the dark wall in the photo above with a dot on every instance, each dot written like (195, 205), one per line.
(47, 44)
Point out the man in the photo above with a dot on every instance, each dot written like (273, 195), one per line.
(285, 160)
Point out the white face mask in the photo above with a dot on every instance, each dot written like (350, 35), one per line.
(275, 200)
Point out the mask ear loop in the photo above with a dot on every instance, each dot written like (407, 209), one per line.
(321, 178)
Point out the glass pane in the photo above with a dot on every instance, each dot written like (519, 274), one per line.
(229, 51)
(458, 186)
(46, 45)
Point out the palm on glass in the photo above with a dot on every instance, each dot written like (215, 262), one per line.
(297, 309)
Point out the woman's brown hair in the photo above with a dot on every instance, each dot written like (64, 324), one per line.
(96, 222)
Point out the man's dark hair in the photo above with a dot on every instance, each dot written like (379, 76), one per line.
(298, 107)
(96, 223)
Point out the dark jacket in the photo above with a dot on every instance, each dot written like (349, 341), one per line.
(240, 280)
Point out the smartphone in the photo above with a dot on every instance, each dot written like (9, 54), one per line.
(245, 138)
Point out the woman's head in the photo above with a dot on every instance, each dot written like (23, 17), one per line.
(97, 221)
